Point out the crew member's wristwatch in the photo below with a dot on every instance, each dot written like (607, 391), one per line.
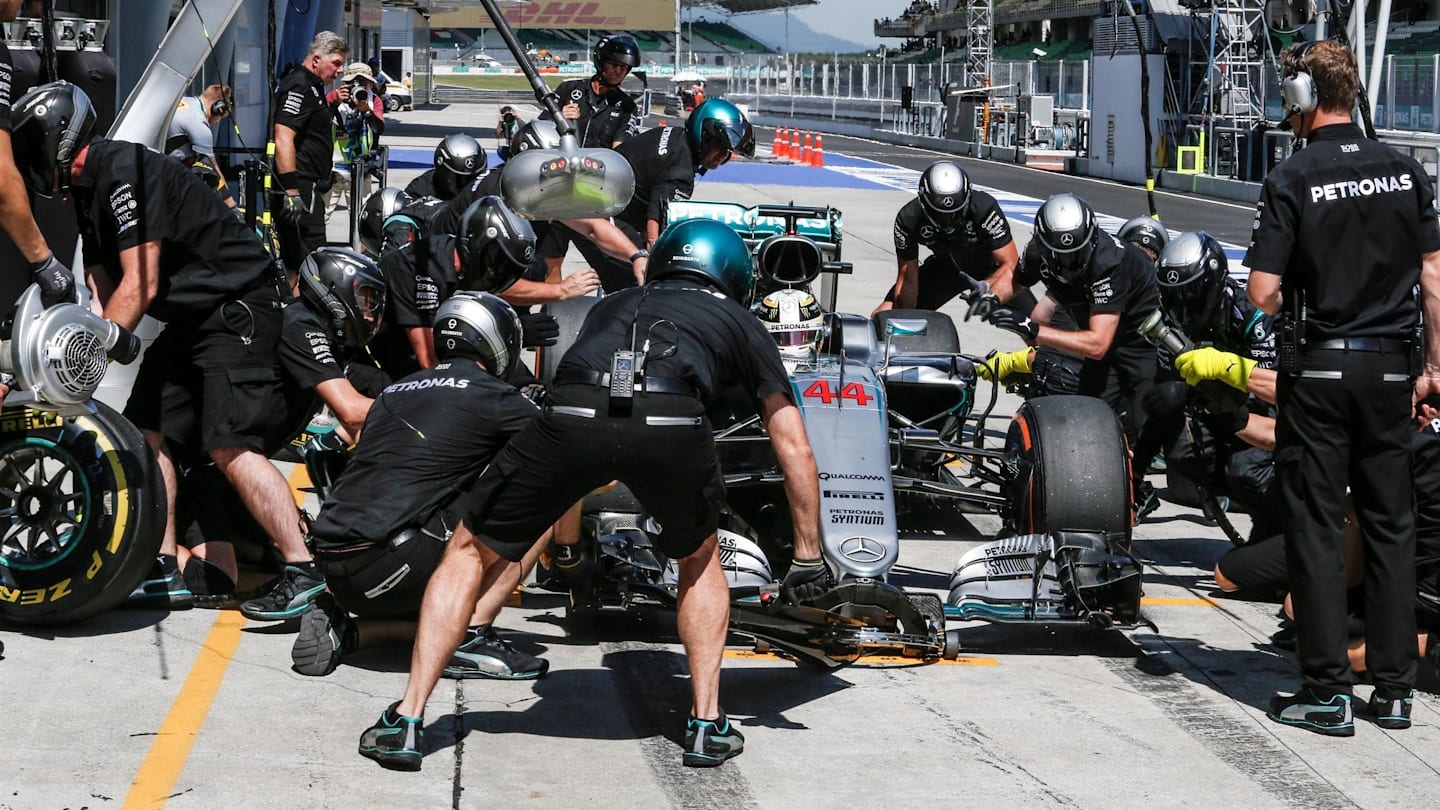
(639, 254)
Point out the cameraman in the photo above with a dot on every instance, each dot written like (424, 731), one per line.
(510, 123)
(358, 115)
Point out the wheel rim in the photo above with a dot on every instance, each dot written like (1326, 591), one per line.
(44, 504)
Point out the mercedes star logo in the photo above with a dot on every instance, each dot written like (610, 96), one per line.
(1067, 239)
(863, 549)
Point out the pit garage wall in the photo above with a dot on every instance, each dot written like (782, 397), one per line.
(1117, 136)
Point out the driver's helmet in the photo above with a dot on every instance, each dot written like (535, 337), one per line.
(1065, 227)
(1146, 233)
(383, 204)
(459, 159)
(348, 289)
(494, 245)
(717, 121)
(1192, 273)
(535, 135)
(478, 325)
(620, 48)
(944, 195)
(794, 319)
(706, 251)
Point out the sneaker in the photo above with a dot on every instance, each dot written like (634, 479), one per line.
(1391, 713)
(1158, 464)
(1332, 717)
(163, 588)
(394, 742)
(290, 596)
(326, 635)
(710, 742)
(485, 655)
(1146, 500)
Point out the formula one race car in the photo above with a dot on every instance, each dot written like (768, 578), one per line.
(888, 406)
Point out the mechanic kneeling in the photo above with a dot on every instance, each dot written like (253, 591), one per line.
(629, 403)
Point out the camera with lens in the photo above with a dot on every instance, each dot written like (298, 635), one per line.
(359, 92)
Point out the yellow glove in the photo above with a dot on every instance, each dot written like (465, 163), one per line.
(1213, 364)
(1004, 364)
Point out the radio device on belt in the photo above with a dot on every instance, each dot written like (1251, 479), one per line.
(1290, 333)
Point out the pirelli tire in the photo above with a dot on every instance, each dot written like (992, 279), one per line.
(82, 512)
(569, 315)
(1071, 469)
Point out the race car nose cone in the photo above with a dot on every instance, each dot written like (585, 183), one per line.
(568, 183)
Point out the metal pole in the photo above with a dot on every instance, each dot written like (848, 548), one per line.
(1434, 92)
(1378, 56)
(677, 37)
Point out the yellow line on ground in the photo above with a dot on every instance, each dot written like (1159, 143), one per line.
(1161, 600)
(299, 480)
(155, 780)
(751, 655)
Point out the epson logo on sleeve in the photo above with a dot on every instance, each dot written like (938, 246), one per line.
(124, 208)
(293, 101)
(5, 86)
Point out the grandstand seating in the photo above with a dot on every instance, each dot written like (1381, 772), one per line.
(729, 37)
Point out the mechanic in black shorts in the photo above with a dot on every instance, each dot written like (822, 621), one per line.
(459, 159)
(57, 284)
(666, 161)
(1108, 287)
(968, 238)
(158, 241)
(1344, 230)
(382, 530)
(303, 148)
(693, 338)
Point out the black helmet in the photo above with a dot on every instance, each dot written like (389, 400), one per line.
(535, 135)
(717, 121)
(944, 194)
(620, 48)
(458, 159)
(495, 246)
(348, 288)
(50, 124)
(1065, 226)
(479, 325)
(707, 251)
(1145, 232)
(382, 205)
(1192, 272)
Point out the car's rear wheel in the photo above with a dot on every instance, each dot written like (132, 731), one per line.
(1072, 470)
(392, 104)
(569, 316)
(82, 513)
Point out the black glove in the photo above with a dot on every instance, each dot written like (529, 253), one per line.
(982, 304)
(57, 283)
(290, 210)
(538, 329)
(807, 579)
(1013, 321)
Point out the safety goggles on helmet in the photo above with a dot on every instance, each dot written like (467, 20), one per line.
(1191, 275)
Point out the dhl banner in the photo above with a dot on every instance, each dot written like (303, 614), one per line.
(604, 15)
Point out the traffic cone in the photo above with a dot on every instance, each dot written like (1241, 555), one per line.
(805, 154)
(778, 148)
(794, 152)
(817, 157)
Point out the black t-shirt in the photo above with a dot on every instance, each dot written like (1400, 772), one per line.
(308, 357)
(128, 195)
(426, 437)
(604, 118)
(982, 231)
(1121, 279)
(7, 82)
(1347, 220)
(664, 171)
(422, 186)
(300, 105)
(717, 343)
(1244, 329)
(447, 220)
(418, 278)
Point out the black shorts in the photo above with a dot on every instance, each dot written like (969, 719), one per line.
(559, 458)
(208, 509)
(387, 581)
(207, 384)
(1258, 566)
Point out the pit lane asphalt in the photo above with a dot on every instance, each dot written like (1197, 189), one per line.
(199, 709)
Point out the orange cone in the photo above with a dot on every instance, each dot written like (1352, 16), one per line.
(794, 152)
(817, 157)
(805, 153)
(778, 148)
(662, 122)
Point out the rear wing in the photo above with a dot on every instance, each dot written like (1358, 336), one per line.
(822, 225)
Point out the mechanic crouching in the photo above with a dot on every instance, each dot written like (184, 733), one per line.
(629, 403)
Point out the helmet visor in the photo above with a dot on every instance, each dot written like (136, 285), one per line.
(1070, 264)
(370, 303)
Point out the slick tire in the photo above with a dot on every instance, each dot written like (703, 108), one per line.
(83, 514)
(940, 336)
(569, 315)
(1072, 470)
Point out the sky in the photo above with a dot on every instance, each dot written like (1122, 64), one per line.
(848, 19)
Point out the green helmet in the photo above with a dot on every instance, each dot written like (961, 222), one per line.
(719, 121)
(706, 251)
